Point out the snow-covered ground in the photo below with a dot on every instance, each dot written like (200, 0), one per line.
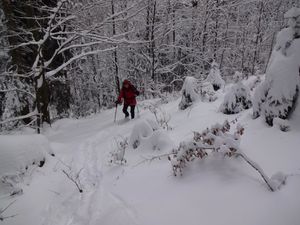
(213, 191)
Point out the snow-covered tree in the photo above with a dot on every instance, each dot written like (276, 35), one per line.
(237, 99)
(277, 95)
(189, 93)
(214, 77)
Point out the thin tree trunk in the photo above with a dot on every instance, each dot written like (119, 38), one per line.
(216, 28)
(115, 54)
(257, 39)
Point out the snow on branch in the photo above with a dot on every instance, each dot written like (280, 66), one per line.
(18, 90)
(237, 99)
(29, 115)
(61, 67)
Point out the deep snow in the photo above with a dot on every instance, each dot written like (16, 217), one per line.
(215, 191)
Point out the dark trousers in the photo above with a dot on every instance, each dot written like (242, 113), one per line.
(132, 108)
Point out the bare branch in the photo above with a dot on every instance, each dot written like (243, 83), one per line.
(2, 217)
(257, 168)
(73, 180)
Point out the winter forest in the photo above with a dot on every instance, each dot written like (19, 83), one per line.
(143, 112)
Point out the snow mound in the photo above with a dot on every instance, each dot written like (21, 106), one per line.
(18, 152)
(17, 155)
(277, 180)
(141, 130)
(143, 137)
(236, 100)
(153, 124)
(159, 140)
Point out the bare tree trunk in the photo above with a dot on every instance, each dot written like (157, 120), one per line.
(204, 39)
(115, 54)
(258, 38)
(225, 43)
(42, 100)
(152, 43)
(216, 28)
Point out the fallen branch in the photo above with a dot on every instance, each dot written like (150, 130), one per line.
(74, 181)
(158, 157)
(258, 169)
(2, 217)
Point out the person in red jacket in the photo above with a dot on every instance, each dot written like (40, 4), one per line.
(128, 93)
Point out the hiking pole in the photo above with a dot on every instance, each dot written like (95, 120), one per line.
(116, 110)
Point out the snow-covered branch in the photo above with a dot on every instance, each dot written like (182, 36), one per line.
(73, 59)
(258, 169)
(17, 90)
(29, 115)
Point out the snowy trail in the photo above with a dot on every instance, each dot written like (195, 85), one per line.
(96, 205)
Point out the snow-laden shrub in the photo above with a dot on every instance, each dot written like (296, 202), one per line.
(214, 77)
(217, 141)
(162, 118)
(190, 93)
(259, 98)
(117, 156)
(236, 100)
(207, 92)
(141, 130)
(18, 156)
(253, 81)
(192, 90)
(277, 95)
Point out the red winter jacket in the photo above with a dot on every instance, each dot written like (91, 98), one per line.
(129, 94)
